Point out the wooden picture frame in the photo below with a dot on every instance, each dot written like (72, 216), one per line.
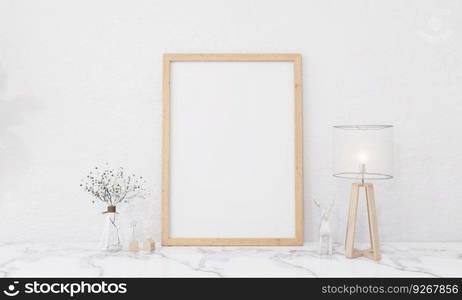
(297, 239)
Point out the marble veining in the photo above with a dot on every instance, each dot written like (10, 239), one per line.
(84, 260)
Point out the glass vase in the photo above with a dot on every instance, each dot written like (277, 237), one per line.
(325, 238)
(110, 237)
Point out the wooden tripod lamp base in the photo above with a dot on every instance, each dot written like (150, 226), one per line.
(374, 251)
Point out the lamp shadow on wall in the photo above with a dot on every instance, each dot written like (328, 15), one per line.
(14, 156)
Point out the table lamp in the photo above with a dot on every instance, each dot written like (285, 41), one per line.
(363, 153)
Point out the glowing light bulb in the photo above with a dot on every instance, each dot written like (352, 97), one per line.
(362, 158)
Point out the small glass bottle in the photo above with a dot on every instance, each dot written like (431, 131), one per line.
(110, 237)
(133, 245)
(325, 236)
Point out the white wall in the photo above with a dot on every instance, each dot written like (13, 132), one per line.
(80, 84)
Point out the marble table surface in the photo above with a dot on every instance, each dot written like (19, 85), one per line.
(84, 260)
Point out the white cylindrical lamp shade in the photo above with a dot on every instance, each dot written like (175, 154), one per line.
(363, 151)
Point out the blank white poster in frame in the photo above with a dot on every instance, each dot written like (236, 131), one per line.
(232, 170)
